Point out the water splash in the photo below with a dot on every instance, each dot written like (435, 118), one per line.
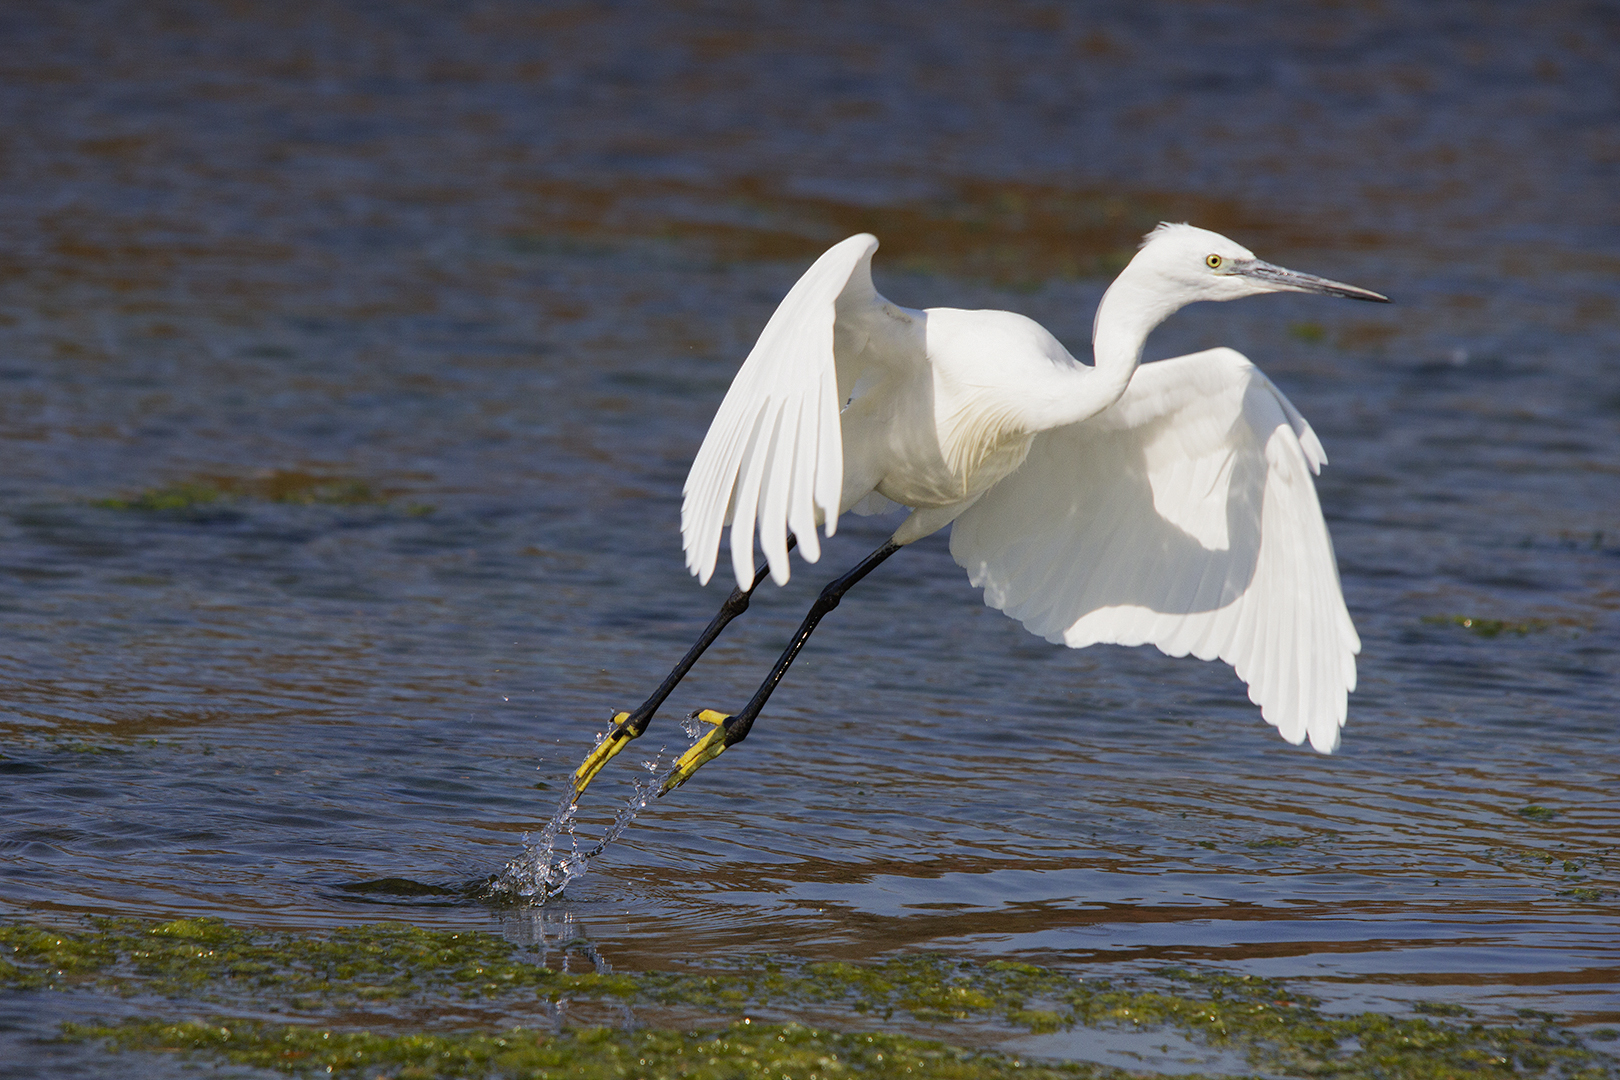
(546, 866)
(542, 870)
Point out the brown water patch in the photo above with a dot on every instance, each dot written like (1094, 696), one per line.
(297, 486)
(1011, 233)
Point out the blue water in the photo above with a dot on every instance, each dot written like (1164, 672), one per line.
(499, 266)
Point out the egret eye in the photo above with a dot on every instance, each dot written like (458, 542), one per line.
(1212, 261)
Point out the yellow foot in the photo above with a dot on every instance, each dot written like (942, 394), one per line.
(705, 750)
(611, 744)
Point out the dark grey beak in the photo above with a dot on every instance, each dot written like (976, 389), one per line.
(1277, 278)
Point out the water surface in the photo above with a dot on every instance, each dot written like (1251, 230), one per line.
(441, 302)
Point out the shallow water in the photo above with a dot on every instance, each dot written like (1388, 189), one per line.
(485, 277)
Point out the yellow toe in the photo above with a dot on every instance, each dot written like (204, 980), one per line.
(702, 752)
(611, 744)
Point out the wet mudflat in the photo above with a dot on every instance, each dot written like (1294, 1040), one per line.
(351, 362)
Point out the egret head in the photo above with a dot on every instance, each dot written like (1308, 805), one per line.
(1195, 264)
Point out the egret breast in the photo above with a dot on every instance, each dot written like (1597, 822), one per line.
(933, 479)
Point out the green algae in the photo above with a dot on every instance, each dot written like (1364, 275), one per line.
(739, 1050)
(1585, 894)
(381, 961)
(1586, 876)
(316, 977)
(1286, 1034)
(1490, 628)
(32, 958)
(185, 495)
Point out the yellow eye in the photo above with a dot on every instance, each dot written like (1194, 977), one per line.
(1212, 261)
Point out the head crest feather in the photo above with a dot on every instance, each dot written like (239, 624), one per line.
(1161, 229)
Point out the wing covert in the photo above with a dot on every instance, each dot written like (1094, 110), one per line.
(1185, 516)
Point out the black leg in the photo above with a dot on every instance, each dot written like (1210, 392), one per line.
(630, 725)
(734, 729)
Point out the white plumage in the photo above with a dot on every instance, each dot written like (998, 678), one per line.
(1170, 503)
(1182, 516)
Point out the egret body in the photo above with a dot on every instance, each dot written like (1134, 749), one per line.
(1169, 503)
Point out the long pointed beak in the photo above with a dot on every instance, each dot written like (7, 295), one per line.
(1277, 278)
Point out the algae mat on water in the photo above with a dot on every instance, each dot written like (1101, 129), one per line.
(393, 1000)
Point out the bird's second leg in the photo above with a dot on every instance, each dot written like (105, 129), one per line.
(730, 730)
(630, 725)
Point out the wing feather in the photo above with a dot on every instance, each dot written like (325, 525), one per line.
(774, 453)
(1183, 515)
(801, 513)
(746, 497)
(776, 486)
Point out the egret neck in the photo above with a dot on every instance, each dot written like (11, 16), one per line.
(1131, 308)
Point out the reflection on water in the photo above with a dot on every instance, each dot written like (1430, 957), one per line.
(351, 363)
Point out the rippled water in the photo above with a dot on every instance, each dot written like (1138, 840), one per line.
(441, 302)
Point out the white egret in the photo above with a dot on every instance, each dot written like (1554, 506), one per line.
(1169, 503)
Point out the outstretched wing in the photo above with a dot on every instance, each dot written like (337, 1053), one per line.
(1183, 515)
(774, 452)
